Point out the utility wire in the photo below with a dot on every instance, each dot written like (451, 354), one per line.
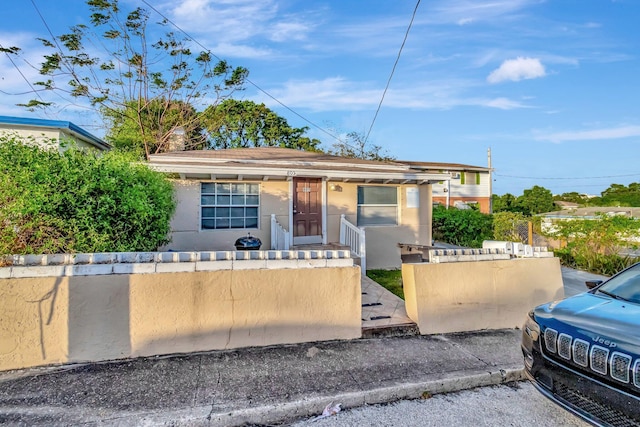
(248, 80)
(23, 77)
(565, 178)
(406, 35)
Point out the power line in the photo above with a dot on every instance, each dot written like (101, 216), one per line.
(406, 35)
(566, 178)
(33, 90)
(247, 80)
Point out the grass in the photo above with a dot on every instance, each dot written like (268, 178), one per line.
(389, 279)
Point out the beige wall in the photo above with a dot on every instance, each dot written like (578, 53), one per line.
(185, 225)
(42, 135)
(91, 318)
(382, 241)
(468, 296)
(414, 224)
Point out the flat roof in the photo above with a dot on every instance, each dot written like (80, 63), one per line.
(56, 124)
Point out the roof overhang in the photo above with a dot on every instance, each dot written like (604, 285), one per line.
(252, 172)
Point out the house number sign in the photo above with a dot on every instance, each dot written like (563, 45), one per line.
(291, 173)
(306, 189)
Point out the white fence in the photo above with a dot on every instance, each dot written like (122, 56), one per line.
(354, 238)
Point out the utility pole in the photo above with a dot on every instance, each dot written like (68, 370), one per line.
(490, 181)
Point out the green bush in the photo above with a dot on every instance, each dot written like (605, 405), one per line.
(462, 227)
(79, 201)
(505, 226)
(595, 244)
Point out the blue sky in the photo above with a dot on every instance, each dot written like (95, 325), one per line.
(552, 87)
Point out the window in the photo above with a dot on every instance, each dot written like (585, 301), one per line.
(377, 205)
(470, 178)
(229, 205)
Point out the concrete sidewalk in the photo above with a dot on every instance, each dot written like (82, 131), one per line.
(258, 385)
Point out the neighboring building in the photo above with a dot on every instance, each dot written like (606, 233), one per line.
(469, 185)
(301, 197)
(566, 205)
(42, 130)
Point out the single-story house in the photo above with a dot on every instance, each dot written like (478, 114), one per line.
(289, 197)
(44, 130)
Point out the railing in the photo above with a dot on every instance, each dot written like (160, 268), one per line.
(354, 237)
(279, 236)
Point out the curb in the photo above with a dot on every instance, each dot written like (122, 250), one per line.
(275, 413)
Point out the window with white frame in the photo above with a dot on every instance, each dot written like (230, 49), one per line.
(226, 205)
(377, 205)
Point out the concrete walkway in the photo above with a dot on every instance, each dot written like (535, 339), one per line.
(383, 313)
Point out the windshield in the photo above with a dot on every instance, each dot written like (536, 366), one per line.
(624, 286)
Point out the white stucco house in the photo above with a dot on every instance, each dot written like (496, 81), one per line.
(45, 130)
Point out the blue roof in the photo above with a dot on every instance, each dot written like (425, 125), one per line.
(56, 124)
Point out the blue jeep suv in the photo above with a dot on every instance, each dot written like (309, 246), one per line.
(583, 352)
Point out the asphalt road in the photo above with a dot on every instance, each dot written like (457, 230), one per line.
(573, 280)
(517, 405)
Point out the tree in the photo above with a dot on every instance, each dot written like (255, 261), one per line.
(573, 197)
(79, 201)
(620, 195)
(357, 147)
(504, 203)
(168, 125)
(535, 200)
(242, 124)
(132, 79)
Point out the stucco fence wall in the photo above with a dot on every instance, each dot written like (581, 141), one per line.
(475, 295)
(94, 307)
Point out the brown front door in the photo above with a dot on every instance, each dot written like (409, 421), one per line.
(307, 210)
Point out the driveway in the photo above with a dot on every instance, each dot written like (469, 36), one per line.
(573, 280)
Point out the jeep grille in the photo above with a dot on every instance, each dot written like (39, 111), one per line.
(564, 346)
(599, 357)
(619, 366)
(550, 336)
(581, 352)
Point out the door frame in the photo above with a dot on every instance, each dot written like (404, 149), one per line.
(323, 198)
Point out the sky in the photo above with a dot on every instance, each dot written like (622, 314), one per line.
(551, 88)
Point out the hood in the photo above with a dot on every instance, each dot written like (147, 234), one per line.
(596, 319)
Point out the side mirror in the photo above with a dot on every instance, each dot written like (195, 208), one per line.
(593, 283)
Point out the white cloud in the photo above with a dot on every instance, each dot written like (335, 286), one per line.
(465, 11)
(341, 94)
(465, 21)
(517, 69)
(590, 135)
(241, 24)
(503, 104)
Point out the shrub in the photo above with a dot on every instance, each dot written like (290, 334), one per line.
(462, 227)
(79, 201)
(595, 244)
(506, 226)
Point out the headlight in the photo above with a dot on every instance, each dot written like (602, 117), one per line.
(531, 328)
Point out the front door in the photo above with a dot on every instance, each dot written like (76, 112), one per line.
(307, 211)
